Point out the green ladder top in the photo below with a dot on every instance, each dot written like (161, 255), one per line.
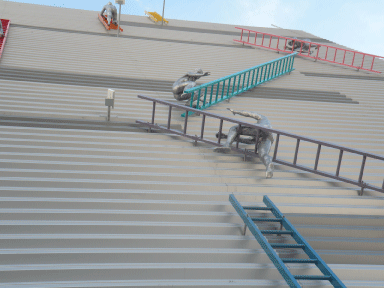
(214, 92)
(279, 263)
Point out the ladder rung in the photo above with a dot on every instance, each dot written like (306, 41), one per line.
(312, 277)
(256, 208)
(287, 245)
(267, 219)
(293, 260)
(276, 232)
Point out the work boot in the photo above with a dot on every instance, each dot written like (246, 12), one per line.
(222, 149)
(269, 172)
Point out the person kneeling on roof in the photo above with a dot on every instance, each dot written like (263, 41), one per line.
(111, 12)
(186, 82)
(265, 138)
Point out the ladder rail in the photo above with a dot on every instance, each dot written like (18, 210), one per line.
(323, 267)
(281, 267)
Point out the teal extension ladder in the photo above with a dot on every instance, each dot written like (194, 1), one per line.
(279, 263)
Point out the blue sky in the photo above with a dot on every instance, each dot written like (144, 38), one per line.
(355, 24)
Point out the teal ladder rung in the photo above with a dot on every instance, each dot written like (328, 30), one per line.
(293, 260)
(312, 277)
(269, 248)
(267, 219)
(276, 232)
(279, 246)
(256, 208)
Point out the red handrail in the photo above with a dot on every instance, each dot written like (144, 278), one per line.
(307, 52)
(6, 23)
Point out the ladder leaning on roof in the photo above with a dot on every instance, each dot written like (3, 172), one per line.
(155, 17)
(211, 93)
(331, 54)
(314, 258)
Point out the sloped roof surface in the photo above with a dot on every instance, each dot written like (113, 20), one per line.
(86, 203)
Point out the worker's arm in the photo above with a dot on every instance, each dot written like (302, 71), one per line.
(246, 114)
(102, 11)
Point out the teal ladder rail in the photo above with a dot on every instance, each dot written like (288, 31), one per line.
(224, 88)
(279, 263)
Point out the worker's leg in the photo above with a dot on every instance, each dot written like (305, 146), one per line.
(233, 132)
(264, 148)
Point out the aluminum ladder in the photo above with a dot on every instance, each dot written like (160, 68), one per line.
(279, 263)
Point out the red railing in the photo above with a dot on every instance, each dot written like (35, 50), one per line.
(304, 48)
(6, 24)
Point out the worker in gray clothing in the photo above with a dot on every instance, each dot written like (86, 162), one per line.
(186, 82)
(111, 13)
(265, 138)
(1, 29)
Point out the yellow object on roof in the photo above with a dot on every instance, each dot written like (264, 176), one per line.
(156, 17)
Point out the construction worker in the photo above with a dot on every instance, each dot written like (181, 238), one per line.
(265, 138)
(1, 29)
(188, 81)
(111, 13)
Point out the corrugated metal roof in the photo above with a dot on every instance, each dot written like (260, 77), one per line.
(86, 203)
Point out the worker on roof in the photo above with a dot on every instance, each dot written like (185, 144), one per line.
(188, 81)
(1, 29)
(264, 142)
(297, 45)
(111, 12)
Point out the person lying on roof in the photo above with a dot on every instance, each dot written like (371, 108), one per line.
(111, 13)
(188, 81)
(297, 45)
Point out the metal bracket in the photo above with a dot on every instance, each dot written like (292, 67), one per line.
(363, 186)
(245, 155)
(195, 142)
(245, 227)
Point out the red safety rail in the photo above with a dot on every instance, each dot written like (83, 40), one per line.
(321, 52)
(6, 24)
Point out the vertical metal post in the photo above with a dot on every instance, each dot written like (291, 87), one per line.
(362, 62)
(162, 17)
(109, 113)
(317, 157)
(220, 130)
(373, 60)
(153, 112)
(296, 152)
(353, 59)
(169, 117)
(276, 146)
(317, 54)
(186, 121)
(339, 163)
(118, 28)
(362, 168)
(202, 127)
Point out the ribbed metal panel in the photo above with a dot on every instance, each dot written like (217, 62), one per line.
(85, 203)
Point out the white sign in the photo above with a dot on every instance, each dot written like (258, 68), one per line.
(111, 95)
(120, 2)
